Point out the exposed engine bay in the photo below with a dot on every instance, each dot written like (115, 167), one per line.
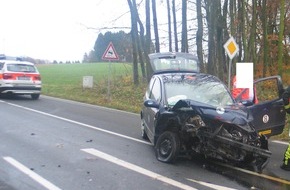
(221, 133)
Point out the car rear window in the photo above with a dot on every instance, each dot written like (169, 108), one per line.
(21, 68)
(1, 65)
(175, 64)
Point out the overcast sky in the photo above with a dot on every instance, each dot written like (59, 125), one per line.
(56, 29)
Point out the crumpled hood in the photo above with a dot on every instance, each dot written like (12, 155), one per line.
(234, 114)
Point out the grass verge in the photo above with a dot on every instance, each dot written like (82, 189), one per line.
(66, 81)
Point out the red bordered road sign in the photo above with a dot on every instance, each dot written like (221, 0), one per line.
(110, 53)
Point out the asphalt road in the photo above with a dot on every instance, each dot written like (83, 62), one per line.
(58, 144)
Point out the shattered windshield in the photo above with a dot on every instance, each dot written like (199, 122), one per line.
(202, 89)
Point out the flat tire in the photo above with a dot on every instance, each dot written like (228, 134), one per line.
(167, 147)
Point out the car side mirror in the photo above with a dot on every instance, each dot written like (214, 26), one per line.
(151, 104)
(247, 102)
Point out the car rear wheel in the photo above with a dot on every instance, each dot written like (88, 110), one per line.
(167, 147)
(35, 96)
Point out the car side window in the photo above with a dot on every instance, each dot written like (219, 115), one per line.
(156, 91)
(267, 90)
(149, 88)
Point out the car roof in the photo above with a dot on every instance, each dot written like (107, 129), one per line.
(16, 62)
(171, 62)
(169, 54)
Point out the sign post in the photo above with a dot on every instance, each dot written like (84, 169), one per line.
(232, 49)
(110, 54)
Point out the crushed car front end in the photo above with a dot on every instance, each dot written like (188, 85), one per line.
(225, 134)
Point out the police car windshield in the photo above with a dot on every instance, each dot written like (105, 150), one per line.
(21, 68)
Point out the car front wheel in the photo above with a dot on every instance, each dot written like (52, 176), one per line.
(167, 147)
(143, 132)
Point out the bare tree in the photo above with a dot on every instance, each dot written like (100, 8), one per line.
(184, 38)
(140, 40)
(134, 34)
(281, 35)
(253, 33)
(199, 33)
(157, 45)
(253, 23)
(148, 40)
(175, 26)
(169, 25)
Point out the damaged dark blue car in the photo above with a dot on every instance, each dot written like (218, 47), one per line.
(187, 112)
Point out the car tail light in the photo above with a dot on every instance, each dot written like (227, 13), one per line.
(37, 77)
(7, 76)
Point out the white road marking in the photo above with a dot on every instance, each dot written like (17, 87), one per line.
(31, 174)
(137, 169)
(150, 173)
(280, 142)
(79, 123)
(210, 185)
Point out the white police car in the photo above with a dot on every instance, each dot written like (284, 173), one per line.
(19, 77)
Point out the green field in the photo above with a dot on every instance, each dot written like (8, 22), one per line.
(66, 81)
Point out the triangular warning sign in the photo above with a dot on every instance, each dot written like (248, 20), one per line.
(110, 53)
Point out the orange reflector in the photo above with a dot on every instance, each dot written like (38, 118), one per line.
(267, 132)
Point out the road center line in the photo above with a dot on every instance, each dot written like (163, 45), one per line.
(137, 169)
(82, 124)
(31, 174)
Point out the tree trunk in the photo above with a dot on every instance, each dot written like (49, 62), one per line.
(224, 35)
(253, 33)
(175, 26)
(281, 35)
(199, 34)
(140, 40)
(157, 46)
(212, 17)
(134, 34)
(169, 26)
(148, 41)
(184, 38)
(265, 37)
(243, 30)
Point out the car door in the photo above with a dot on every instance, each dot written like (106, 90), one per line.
(153, 93)
(268, 110)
